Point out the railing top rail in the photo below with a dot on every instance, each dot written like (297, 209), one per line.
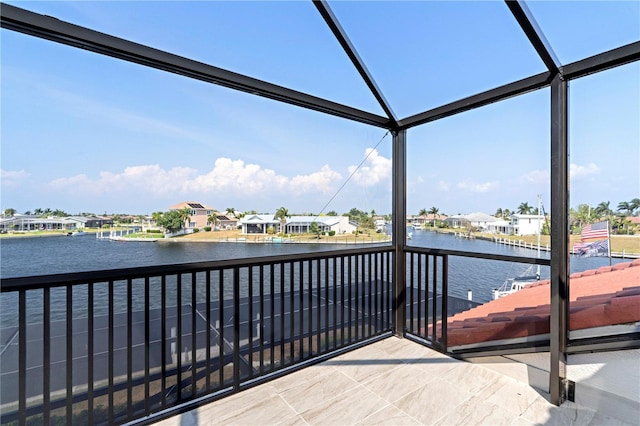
(55, 280)
(489, 256)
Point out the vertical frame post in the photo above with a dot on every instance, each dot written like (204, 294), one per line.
(559, 238)
(399, 209)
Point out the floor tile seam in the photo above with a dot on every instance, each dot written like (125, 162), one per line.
(291, 407)
(375, 412)
(370, 379)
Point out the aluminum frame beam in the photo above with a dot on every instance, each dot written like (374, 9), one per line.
(603, 61)
(343, 39)
(559, 239)
(519, 87)
(535, 35)
(399, 230)
(49, 28)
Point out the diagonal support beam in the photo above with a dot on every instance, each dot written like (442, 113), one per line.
(351, 52)
(528, 24)
(27, 22)
(476, 101)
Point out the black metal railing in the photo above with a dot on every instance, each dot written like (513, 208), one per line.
(428, 300)
(123, 345)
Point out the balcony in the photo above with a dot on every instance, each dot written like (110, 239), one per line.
(366, 335)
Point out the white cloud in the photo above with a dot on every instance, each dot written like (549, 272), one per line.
(476, 186)
(11, 178)
(374, 170)
(234, 175)
(322, 181)
(536, 176)
(150, 178)
(227, 176)
(578, 172)
(13, 174)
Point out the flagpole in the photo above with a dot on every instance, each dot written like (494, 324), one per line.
(609, 242)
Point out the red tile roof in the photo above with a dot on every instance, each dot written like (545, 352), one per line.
(599, 297)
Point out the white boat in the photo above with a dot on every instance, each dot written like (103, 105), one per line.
(76, 233)
(511, 285)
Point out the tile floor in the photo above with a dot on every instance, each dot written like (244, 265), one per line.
(391, 382)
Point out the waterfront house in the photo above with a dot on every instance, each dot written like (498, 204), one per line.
(198, 214)
(259, 223)
(525, 224)
(26, 223)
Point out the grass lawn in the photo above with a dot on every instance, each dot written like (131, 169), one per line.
(629, 243)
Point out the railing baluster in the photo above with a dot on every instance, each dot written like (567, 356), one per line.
(356, 300)
(349, 301)
(46, 356)
(69, 360)
(236, 328)
(111, 351)
(272, 323)
(419, 332)
(301, 309)
(435, 297)
(376, 306)
(90, 333)
(194, 364)
(410, 290)
(445, 299)
(129, 348)
(163, 338)
(147, 339)
(335, 303)
(282, 312)
(261, 319)
(250, 307)
(310, 308)
(318, 307)
(291, 311)
(370, 295)
(426, 296)
(208, 328)
(22, 359)
(221, 364)
(179, 337)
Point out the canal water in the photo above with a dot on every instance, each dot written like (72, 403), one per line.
(52, 255)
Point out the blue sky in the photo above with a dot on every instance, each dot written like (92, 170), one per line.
(84, 132)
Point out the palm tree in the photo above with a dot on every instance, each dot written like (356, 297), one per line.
(603, 209)
(37, 211)
(282, 214)
(185, 215)
(524, 208)
(498, 213)
(625, 206)
(231, 211)
(635, 205)
(434, 211)
(213, 219)
(422, 212)
(9, 212)
(157, 216)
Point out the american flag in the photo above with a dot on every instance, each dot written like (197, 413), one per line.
(595, 248)
(597, 230)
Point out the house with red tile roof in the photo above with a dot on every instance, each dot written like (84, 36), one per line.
(199, 213)
(599, 299)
